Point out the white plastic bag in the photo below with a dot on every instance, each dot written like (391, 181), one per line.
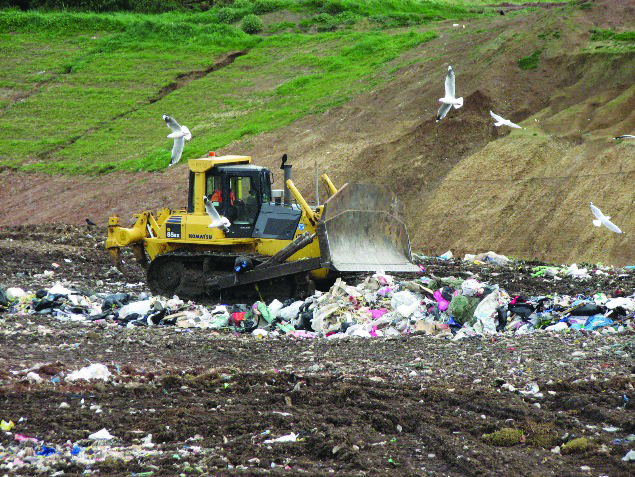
(493, 257)
(290, 312)
(470, 287)
(486, 314)
(274, 307)
(141, 307)
(102, 435)
(94, 371)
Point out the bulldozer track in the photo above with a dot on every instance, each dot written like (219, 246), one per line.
(189, 274)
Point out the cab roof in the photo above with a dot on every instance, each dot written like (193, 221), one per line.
(205, 163)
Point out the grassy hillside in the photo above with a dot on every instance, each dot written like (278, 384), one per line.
(84, 92)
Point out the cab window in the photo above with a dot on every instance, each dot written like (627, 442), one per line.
(244, 198)
(214, 189)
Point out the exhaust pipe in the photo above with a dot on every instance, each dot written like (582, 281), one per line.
(287, 175)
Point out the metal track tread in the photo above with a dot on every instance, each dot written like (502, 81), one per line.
(209, 276)
(276, 271)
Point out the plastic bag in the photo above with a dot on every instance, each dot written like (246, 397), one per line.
(94, 371)
(140, 307)
(597, 321)
(493, 257)
(486, 313)
(102, 435)
(290, 312)
(15, 293)
(405, 303)
(470, 287)
(275, 306)
(462, 308)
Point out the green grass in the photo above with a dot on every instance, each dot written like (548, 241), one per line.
(530, 62)
(88, 82)
(603, 35)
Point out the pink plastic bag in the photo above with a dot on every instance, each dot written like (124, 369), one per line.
(443, 303)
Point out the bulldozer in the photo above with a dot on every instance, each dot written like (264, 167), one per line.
(276, 244)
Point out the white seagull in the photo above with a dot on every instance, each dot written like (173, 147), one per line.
(180, 134)
(501, 121)
(602, 219)
(219, 222)
(449, 100)
(625, 136)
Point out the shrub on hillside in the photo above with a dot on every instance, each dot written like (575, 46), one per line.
(228, 15)
(261, 7)
(251, 24)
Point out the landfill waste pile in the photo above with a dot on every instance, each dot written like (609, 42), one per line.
(478, 365)
(454, 307)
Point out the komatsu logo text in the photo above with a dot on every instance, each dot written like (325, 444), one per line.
(201, 236)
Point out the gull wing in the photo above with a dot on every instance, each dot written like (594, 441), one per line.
(449, 83)
(611, 226)
(443, 110)
(625, 136)
(597, 212)
(212, 212)
(177, 150)
(171, 123)
(498, 118)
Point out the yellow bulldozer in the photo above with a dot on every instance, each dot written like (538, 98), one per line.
(274, 245)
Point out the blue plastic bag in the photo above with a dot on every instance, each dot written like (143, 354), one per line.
(47, 451)
(597, 321)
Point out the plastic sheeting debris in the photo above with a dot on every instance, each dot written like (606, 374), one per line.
(102, 435)
(94, 371)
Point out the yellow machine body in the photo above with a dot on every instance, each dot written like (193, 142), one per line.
(263, 230)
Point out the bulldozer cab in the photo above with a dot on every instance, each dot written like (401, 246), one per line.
(238, 193)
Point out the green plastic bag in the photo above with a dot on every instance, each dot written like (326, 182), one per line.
(462, 308)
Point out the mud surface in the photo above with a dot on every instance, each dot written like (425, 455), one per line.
(411, 406)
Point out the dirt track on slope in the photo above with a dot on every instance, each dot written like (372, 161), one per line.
(409, 406)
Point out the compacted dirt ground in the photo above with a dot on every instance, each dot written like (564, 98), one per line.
(413, 405)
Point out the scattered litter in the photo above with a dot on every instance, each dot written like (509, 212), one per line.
(288, 438)
(94, 371)
(102, 435)
(6, 426)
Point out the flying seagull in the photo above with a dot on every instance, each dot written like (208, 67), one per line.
(501, 121)
(625, 136)
(180, 134)
(602, 219)
(449, 100)
(219, 222)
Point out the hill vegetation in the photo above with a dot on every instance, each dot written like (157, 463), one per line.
(76, 84)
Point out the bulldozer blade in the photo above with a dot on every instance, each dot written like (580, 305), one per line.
(361, 231)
